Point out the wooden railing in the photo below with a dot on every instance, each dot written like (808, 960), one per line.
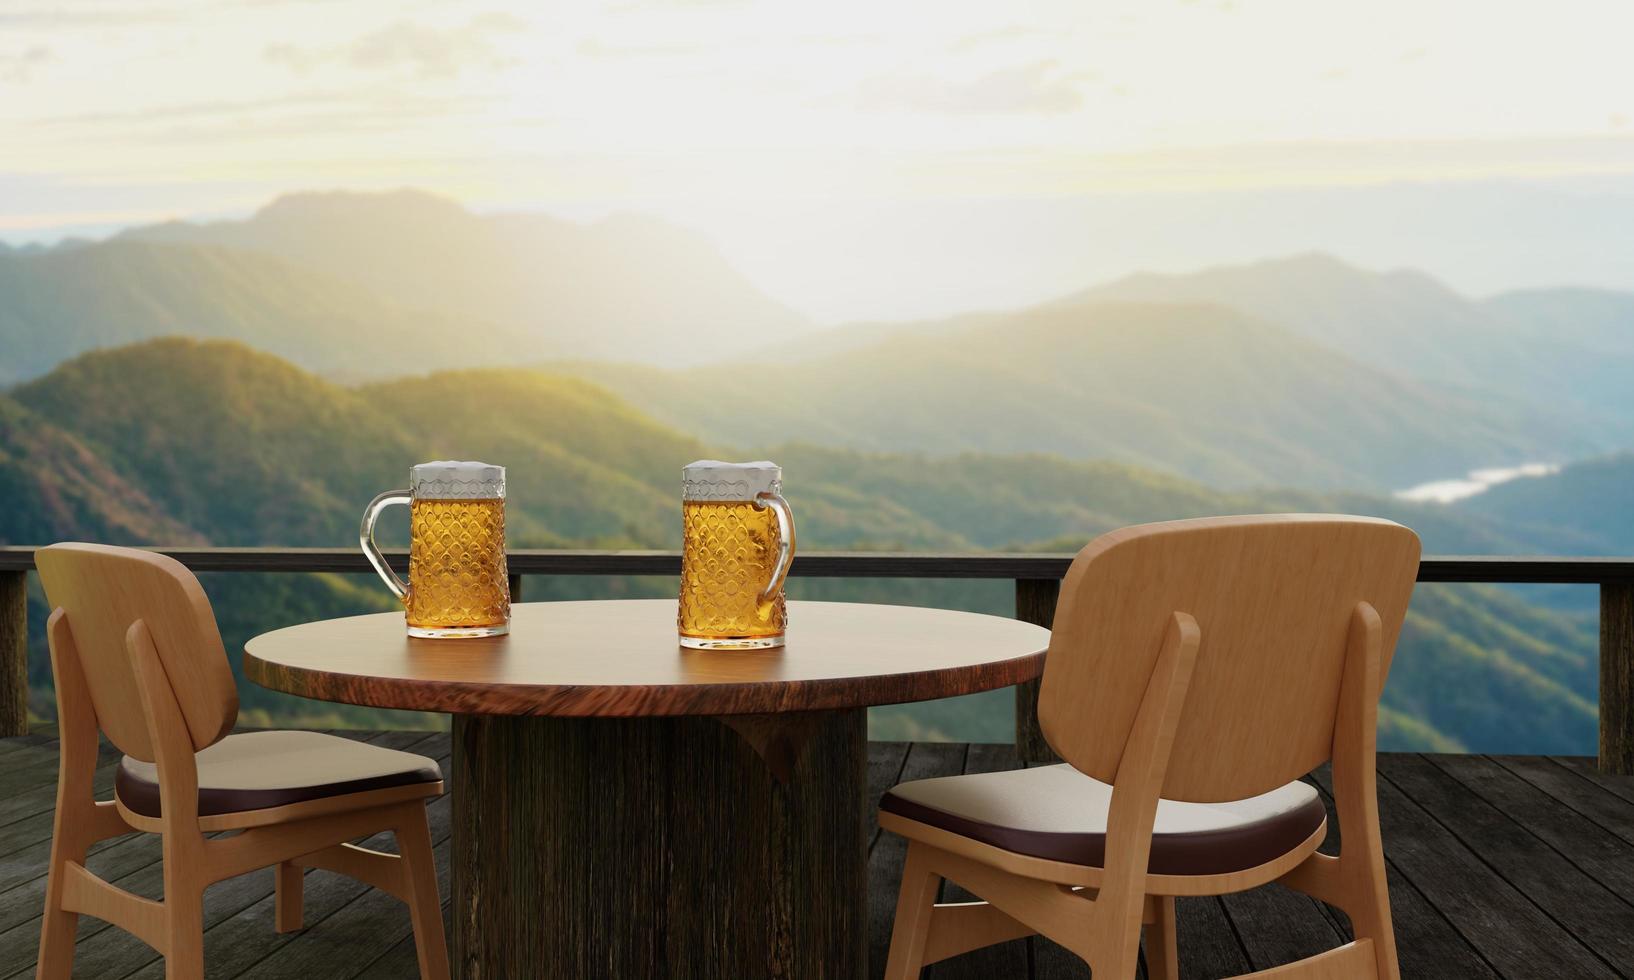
(1037, 579)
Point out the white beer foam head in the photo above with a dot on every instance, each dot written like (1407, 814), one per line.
(448, 479)
(711, 479)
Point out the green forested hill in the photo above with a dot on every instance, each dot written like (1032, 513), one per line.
(54, 486)
(1586, 508)
(174, 441)
(1197, 390)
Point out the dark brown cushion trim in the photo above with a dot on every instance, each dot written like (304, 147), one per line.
(1202, 853)
(141, 795)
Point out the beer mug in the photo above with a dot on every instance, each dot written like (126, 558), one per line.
(458, 583)
(738, 543)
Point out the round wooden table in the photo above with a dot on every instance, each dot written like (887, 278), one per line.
(624, 807)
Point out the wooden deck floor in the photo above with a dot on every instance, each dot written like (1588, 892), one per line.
(1517, 867)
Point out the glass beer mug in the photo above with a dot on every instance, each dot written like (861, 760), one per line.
(738, 543)
(458, 583)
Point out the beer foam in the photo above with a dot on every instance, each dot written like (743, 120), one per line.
(450, 479)
(711, 479)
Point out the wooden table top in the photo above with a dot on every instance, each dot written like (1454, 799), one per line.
(620, 658)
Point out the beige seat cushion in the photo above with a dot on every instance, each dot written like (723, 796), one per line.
(257, 770)
(1058, 813)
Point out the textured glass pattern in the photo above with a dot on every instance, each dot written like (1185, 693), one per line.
(457, 573)
(727, 558)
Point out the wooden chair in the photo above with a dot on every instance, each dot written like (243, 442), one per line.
(1196, 670)
(136, 653)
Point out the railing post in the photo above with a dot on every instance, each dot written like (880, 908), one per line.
(516, 588)
(1035, 603)
(1617, 678)
(13, 654)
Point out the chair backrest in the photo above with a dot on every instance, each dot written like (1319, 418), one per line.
(102, 590)
(1273, 597)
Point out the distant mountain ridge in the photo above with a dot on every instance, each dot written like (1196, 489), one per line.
(1556, 347)
(1201, 390)
(64, 301)
(619, 286)
(360, 285)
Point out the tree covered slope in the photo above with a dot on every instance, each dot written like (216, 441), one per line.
(184, 441)
(1201, 391)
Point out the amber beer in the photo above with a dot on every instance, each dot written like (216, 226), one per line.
(459, 585)
(738, 542)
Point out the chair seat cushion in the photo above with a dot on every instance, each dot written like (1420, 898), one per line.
(257, 770)
(1058, 813)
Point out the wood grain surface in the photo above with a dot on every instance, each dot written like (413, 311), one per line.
(103, 592)
(1035, 603)
(620, 659)
(640, 848)
(1617, 679)
(1586, 570)
(13, 654)
(1273, 595)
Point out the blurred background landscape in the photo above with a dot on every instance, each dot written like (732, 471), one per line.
(975, 285)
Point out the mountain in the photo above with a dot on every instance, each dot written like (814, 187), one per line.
(244, 447)
(1559, 347)
(55, 487)
(625, 286)
(844, 338)
(1198, 390)
(1586, 505)
(187, 441)
(1581, 342)
(64, 301)
(1401, 319)
(251, 450)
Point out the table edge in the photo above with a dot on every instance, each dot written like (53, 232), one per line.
(641, 700)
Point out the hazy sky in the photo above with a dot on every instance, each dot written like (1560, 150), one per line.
(833, 149)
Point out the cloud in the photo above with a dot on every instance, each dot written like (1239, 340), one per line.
(245, 121)
(998, 35)
(1032, 88)
(20, 67)
(64, 15)
(429, 52)
(595, 47)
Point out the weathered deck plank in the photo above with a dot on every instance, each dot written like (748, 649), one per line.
(1596, 796)
(1510, 866)
(1504, 819)
(1512, 933)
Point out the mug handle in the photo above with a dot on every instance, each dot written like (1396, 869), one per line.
(785, 540)
(365, 537)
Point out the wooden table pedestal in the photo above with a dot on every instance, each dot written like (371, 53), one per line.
(658, 847)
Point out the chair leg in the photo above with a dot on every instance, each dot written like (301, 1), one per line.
(1162, 946)
(58, 927)
(184, 930)
(1384, 953)
(1369, 911)
(914, 906)
(288, 883)
(425, 905)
